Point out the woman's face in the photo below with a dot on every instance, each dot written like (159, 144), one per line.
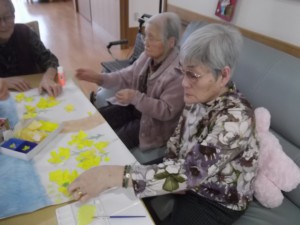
(154, 45)
(200, 84)
(7, 21)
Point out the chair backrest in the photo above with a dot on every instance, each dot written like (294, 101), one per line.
(34, 25)
(138, 47)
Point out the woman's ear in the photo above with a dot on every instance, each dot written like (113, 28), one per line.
(172, 42)
(225, 75)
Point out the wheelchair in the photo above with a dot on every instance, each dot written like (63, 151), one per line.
(138, 48)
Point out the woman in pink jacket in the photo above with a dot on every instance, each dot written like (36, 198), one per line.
(146, 108)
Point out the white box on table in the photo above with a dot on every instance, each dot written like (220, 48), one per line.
(34, 148)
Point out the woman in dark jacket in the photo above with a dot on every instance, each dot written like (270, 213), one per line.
(22, 53)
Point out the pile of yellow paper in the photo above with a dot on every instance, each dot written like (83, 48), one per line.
(36, 131)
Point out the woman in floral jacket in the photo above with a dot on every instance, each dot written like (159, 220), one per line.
(213, 153)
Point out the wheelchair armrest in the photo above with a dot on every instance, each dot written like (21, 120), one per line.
(119, 42)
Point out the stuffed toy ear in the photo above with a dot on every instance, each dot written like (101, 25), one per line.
(266, 192)
(262, 119)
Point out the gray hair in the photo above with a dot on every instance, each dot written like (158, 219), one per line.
(214, 45)
(10, 5)
(169, 24)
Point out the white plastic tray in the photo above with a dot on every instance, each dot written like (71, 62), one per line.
(29, 155)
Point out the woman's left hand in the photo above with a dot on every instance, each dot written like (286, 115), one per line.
(96, 180)
(125, 96)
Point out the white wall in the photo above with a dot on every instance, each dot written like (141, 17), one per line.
(274, 18)
(102, 11)
(141, 7)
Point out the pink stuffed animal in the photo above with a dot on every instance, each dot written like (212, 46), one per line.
(277, 172)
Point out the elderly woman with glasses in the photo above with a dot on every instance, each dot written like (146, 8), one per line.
(213, 152)
(22, 53)
(149, 99)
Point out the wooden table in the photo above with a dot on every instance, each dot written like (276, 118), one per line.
(45, 216)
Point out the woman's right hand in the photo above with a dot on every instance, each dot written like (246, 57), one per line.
(3, 90)
(96, 180)
(17, 84)
(88, 75)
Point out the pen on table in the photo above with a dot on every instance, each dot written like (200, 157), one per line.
(119, 217)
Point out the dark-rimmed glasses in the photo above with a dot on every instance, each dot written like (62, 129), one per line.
(190, 74)
(7, 19)
(150, 38)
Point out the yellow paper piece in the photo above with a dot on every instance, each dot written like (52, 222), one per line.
(63, 154)
(79, 136)
(63, 178)
(29, 99)
(100, 145)
(36, 131)
(19, 97)
(48, 126)
(29, 115)
(45, 103)
(80, 140)
(90, 113)
(25, 148)
(88, 159)
(30, 112)
(34, 125)
(30, 108)
(12, 146)
(34, 136)
(69, 108)
(84, 143)
(86, 214)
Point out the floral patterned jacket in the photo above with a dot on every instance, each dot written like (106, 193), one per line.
(213, 152)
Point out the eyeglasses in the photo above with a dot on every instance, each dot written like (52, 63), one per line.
(7, 19)
(150, 38)
(191, 75)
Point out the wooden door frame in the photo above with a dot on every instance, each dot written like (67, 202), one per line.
(124, 21)
(75, 5)
(165, 5)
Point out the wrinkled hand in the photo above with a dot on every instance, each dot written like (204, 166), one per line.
(50, 86)
(96, 180)
(125, 96)
(88, 75)
(17, 84)
(3, 90)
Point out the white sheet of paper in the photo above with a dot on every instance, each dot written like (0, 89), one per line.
(114, 101)
(110, 203)
(71, 95)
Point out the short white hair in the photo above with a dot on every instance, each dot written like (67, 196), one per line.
(213, 45)
(169, 24)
